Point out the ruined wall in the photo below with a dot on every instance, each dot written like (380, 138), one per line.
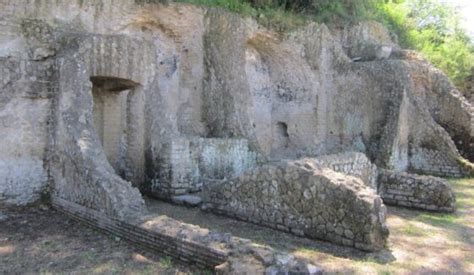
(205, 73)
(188, 164)
(433, 162)
(350, 163)
(422, 192)
(305, 200)
(192, 244)
(100, 99)
(82, 41)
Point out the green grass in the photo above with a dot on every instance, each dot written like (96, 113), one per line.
(90, 256)
(412, 230)
(272, 17)
(441, 220)
(416, 238)
(166, 262)
(237, 6)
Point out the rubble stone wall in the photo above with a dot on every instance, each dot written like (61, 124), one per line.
(350, 163)
(306, 200)
(209, 74)
(422, 192)
(190, 244)
(432, 162)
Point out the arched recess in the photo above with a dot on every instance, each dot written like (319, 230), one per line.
(119, 123)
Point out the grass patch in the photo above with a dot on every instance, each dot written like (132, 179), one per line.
(441, 220)
(240, 7)
(412, 230)
(464, 189)
(203, 272)
(272, 17)
(90, 256)
(166, 262)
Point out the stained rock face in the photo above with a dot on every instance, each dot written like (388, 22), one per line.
(100, 100)
(305, 200)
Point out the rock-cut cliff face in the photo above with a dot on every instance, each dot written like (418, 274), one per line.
(100, 99)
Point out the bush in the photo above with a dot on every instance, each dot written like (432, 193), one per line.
(432, 28)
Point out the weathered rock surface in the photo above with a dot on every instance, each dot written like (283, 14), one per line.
(101, 99)
(208, 74)
(304, 199)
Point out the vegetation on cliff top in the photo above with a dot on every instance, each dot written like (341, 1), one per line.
(432, 27)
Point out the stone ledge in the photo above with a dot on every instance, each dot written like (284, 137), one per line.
(135, 232)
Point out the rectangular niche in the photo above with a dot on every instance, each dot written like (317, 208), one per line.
(118, 120)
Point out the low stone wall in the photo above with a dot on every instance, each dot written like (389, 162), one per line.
(436, 163)
(191, 244)
(409, 190)
(187, 163)
(306, 200)
(351, 163)
(147, 234)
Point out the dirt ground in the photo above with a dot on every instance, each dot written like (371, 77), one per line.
(419, 242)
(41, 240)
(34, 240)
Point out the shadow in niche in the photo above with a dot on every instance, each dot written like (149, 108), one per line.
(281, 137)
(112, 108)
(281, 143)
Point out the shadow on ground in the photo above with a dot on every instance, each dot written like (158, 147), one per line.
(419, 241)
(40, 240)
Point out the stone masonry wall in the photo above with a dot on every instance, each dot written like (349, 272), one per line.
(431, 162)
(350, 163)
(409, 190)
(191, 244)
(306, 200)
(186, 164)
(206, 74)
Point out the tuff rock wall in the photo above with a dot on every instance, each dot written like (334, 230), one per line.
(187, 73)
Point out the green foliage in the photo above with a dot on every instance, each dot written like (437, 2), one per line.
(433, 28)
(166, 262)
(265, 11)
(242, 7)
